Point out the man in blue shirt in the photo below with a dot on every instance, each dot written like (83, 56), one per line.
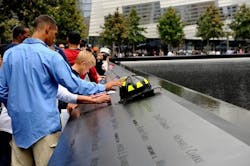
(29, 80)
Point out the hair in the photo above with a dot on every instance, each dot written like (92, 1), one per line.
(74, 37)
(43, 20)
(87, 57)
(83, 43)
(18, 30)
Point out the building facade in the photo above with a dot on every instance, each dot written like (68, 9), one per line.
(151, 10)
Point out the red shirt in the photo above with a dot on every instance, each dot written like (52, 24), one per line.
(71, 55)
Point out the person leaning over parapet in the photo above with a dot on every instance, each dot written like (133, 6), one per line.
(77, 68)
(29, 80)
(73, 40)
(84, 61)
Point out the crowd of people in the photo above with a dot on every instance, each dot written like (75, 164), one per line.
(35, 74)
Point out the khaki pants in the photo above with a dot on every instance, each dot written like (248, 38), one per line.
(38, 154)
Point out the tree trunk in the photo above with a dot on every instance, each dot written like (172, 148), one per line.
(113, 49)
(133, 48)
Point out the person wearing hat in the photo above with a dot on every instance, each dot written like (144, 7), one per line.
(102, 60)
(106, 53)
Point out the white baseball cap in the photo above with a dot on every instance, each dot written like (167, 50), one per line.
(105, 50)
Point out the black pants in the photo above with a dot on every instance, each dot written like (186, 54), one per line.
(5, 149)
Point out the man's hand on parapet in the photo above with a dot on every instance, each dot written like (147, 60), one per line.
(73, 110)
(101, 98)
(111, 84)
(101, 77)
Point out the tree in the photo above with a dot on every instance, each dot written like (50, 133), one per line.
(114, 30)
(241, 23)
(65, 13)
(68, 18)
(6, 27)
(210, 25)
(170, 28)
(134, 31)
(25, 11)
(8, 19)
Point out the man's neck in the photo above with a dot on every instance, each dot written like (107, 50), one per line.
(15, 41)
(38, 35)
(73, 46)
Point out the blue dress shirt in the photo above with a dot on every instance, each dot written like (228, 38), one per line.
(29, 80)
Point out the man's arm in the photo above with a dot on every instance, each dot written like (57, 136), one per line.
(64, 95)
(94, 99)
(64, 76)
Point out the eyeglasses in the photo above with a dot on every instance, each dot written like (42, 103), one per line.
(104, 54)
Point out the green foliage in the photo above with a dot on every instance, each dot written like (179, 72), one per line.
(68, 18)
(170, 28)
(8, 19)
(118, 29)
(7, 27)
(134, 31)
(107, 35)
(241, 23)
(25, 11)
(65, 13)
(210, 25)
(114, 29)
